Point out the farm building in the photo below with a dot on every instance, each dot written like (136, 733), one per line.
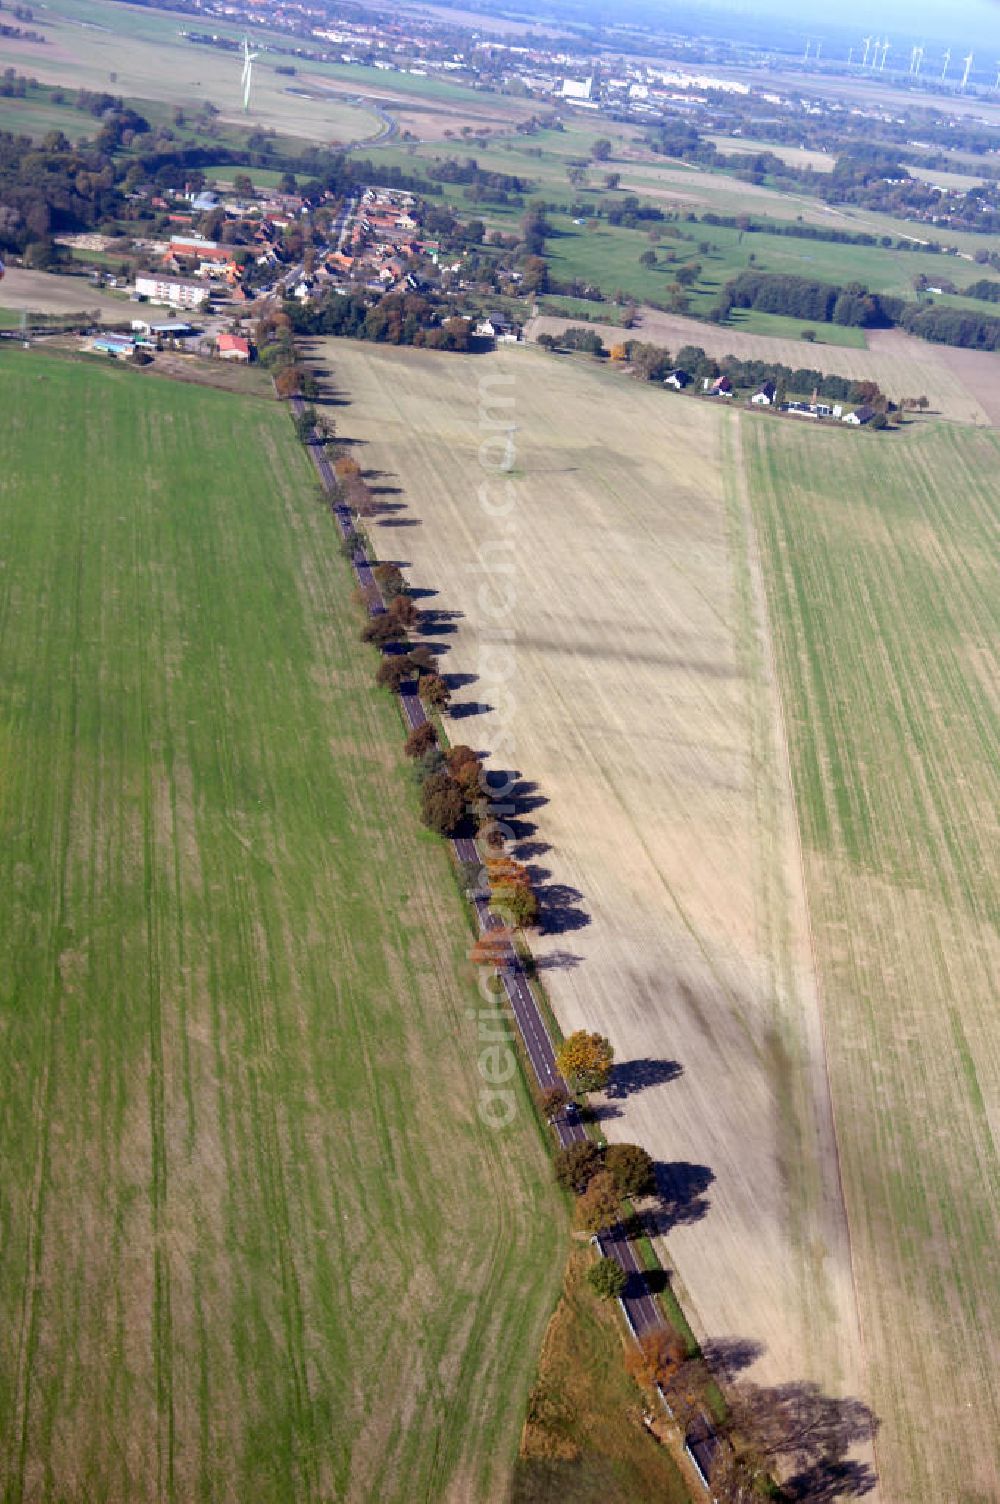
(233, 347)
(116, 345)
(764, 396)
(677, 379)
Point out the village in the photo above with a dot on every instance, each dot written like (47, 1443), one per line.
(280, 246)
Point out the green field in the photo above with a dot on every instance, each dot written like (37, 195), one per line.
(257, 1243)
(881, 564)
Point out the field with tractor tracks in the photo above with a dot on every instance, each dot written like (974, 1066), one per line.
(257, 1243)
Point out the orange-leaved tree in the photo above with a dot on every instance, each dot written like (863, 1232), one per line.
(585, 1060)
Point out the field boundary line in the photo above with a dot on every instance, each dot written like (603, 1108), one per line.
(756, 566)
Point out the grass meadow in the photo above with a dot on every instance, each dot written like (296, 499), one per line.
(880, 560)
(257, 1243)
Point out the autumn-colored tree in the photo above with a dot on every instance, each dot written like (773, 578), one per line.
(420, 740)
(553, 1100)
(434, 691)
(382, 629)
(345, 467)
(504, 869)
(468, 776)
(423, 660)
(516, 904)
(619, 353)
(389, 578)
(459, 755)
(577, 1164)
(492, 948)
(585, 1060)
(288, 382)
(441, 803)
(607, 1279)
(631, 1169)
(599, 1206)
(402, 609)
(394, 671)
(657, 1358)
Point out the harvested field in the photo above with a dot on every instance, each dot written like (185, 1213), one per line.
(25, 291)
(903, 366)
(881, 564)
(257, 1243)
(639, 708)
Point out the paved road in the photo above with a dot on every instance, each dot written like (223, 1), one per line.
(638, 1304)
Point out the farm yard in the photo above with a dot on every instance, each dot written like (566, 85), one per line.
(257, 1243)
(652, 801)
(882, 587)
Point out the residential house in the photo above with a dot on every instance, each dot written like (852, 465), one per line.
(765, 395)
(677, 379)
(859, 417)
(720, 387)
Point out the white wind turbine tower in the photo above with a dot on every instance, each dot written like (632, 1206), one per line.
(886, 49)
(249, 58)
(968, 69)
(946, 61)
(919, 60)
(996, 86)
(875, 47)
(868, 42)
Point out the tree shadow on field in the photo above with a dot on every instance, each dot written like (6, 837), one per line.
(727, 1357)
(467, 708)
(631, 1076)
(527, 850)
(806, 1435)
(561, 910)
(459, 681)
(681, 1188)
(558, 960)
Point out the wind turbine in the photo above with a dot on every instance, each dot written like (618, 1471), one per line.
(919, 60)
(968, 67)
(868, 42)
(805, 55)
(886, 49)
(249, 58)
(819, 49)
(946, 61)
(996, 86)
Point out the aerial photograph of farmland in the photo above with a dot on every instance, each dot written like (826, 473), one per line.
(499, 752)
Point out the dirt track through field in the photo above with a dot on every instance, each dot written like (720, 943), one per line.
(640, 711)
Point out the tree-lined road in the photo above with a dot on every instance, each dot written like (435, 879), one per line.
(637, 1302)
